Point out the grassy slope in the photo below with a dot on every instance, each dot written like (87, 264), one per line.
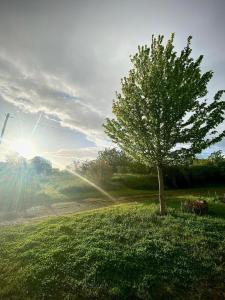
(68, 187)
(122, 252)
(85, 201)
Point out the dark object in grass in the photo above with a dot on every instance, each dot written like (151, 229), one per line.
(222, 199)
(199, 207)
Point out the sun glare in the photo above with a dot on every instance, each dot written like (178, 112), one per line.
(23, 147)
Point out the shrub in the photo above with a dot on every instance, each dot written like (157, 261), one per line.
(138, 181)
(199, 207)
(194, 175)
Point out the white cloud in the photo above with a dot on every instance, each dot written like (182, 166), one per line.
(42, 92)
(76, 154)
(65, 157)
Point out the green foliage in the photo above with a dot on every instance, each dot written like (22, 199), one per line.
(121, 163)
(124, 252)
(99, 171)
(25, 184)
(161, 106)
(203, 172)
(217, 159)
(114, 157)
(161, 116)
(41, 165)
(137, 181)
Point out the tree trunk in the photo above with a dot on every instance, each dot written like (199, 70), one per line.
(161, 191)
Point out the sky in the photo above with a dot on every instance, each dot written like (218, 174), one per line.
(61, 63)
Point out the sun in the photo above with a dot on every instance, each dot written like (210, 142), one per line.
(23, 147)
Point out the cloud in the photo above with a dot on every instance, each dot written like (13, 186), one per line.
(76, 154)
(65, 157)
(41, 92)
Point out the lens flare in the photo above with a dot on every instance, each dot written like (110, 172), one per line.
(23, 147)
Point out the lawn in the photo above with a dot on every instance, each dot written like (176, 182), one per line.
(125, 251)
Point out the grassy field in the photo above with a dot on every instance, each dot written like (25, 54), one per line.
(125, 251)
(86, 200)
(25, 197)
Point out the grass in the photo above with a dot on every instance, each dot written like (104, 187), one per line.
(125, 251)
(136, 181)
(86, 200)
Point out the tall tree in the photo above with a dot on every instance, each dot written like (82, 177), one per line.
(114, 157)
(161, 115)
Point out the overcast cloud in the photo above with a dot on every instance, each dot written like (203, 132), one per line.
(66, 58)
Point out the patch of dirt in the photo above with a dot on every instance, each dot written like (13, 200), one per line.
(62, 208)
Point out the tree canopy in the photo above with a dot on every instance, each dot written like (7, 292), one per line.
(161, 114)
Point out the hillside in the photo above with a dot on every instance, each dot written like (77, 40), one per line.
(122, 252)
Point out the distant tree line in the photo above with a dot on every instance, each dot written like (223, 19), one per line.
(20, 181)
(23, 182)
(201, 172)
(196, 172)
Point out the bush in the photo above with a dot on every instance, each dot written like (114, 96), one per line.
(194, 175)
(199, 207)
(177, 177)
(137, 181)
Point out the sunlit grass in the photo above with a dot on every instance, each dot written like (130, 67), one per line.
(124, 252)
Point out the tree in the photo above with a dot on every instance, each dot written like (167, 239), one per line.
(161, 116)
(121, 163)
(114, 157)
(99, 171)
(217, 158)
(41, 165)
